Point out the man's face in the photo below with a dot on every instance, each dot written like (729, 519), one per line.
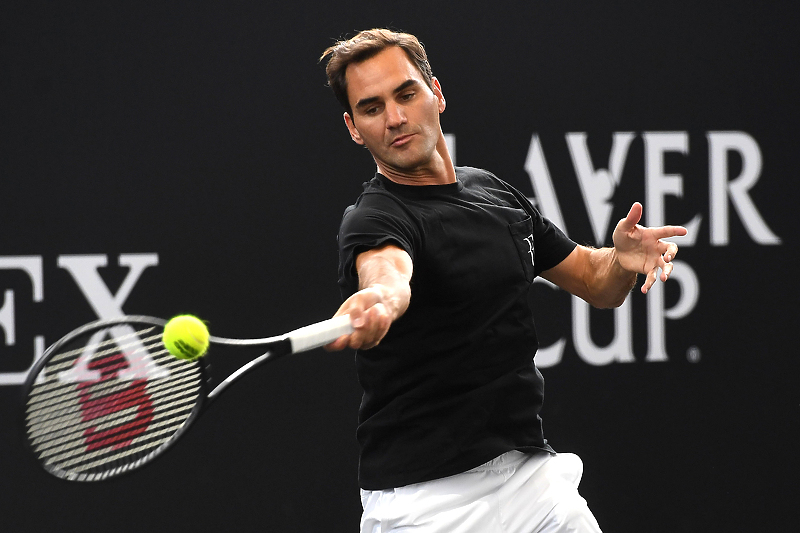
(395, 113)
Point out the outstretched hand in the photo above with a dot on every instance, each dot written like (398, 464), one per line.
(640, 249)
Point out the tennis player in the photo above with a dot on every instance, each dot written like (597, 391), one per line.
(436, 263)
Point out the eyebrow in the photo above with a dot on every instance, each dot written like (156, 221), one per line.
(364, 102)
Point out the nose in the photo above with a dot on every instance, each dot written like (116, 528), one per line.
(395, 116)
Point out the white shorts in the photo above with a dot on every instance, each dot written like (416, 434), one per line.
(514, 493)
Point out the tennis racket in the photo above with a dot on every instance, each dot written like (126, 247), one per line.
(108, 398)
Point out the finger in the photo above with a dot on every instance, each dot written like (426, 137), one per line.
(338, 345)
(632, 218)
(670, 252)
(357, 318)
(361, 337)
(366, 340)
(666, 270)
(356, 341)
(664, 248)
(666, 232)
(649, 280)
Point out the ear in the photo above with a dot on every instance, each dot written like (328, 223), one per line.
(351, 127)
(437, 91)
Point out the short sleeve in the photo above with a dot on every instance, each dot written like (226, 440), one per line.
(365, 227)
(552, 245)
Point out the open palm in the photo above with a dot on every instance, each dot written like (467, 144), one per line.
(642, 250)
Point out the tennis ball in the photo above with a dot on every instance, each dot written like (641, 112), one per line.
(186, 337)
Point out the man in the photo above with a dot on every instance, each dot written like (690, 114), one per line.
(436, 263)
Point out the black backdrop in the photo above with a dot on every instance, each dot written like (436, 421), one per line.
(197, 141)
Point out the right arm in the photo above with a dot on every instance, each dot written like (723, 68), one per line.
(384, 282)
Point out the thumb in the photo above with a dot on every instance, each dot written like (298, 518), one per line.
(633, 218)
(357, 318)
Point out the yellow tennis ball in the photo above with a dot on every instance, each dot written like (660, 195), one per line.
(186, 337)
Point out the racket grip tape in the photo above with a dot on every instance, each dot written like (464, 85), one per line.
(319, 334)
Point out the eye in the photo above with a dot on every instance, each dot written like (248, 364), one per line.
(407, 96)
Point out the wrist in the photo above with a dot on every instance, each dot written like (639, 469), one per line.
(622, 272)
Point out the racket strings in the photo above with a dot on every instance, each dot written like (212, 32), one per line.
(122, 436)
(49, 376)
(63, 453)
(91, 428)
(57, 402)
(138, 352)
(116, 344)
(43, 432)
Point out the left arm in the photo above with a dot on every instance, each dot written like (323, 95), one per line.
(604, 277)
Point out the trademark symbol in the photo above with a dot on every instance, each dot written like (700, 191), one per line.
(693, 354)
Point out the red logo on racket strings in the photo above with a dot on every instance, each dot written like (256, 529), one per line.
(107, 405)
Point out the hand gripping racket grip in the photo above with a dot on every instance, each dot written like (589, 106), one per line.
(319, 334)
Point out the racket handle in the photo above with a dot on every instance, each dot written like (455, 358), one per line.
(319, 334)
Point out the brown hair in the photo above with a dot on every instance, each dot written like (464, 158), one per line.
(365, 45)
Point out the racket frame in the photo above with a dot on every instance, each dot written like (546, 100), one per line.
(98, 325)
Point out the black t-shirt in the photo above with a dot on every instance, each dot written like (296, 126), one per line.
(453, 383)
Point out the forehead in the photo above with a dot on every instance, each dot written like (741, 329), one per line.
(380, 74)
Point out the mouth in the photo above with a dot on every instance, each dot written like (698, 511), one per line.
(401, 140)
